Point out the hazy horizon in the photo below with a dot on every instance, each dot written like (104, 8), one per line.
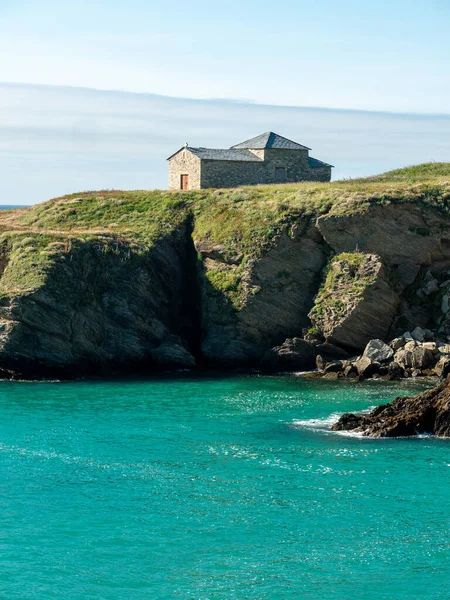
(57, 139)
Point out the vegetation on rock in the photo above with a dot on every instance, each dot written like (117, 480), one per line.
(266, 259)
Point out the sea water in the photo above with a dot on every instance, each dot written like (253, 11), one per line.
(216, 488)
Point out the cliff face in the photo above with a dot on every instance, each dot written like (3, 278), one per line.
(118, 281)
(277, 291)
(104, 306)
(356, 302)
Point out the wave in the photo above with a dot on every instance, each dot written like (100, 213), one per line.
(325, 423)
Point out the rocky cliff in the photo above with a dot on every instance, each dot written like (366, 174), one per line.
(105, 282)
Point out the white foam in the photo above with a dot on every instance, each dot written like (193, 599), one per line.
(324, 423)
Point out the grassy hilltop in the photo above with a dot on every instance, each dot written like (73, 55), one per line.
(244, 220)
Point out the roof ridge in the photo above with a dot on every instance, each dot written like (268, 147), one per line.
(270, 139)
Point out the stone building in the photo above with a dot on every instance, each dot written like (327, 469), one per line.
(267, 158)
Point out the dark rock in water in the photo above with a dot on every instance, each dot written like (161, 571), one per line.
(294, 354)
(334, 366)
(394, 370)
(348, 422)
(428, 412)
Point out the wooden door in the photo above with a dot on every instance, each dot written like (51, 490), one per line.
(184, 182)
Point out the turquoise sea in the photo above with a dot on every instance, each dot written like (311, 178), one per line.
(215, 488)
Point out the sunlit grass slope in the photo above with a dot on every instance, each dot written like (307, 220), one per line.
(243, 220)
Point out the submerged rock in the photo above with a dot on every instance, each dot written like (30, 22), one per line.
(428, 412)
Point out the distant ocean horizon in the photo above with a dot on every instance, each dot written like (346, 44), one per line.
(10, 206)
(60, 140)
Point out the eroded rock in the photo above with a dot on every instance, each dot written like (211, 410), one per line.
(428, 412)
(356, 303)
(378, 351)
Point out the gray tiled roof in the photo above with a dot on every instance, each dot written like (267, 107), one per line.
(219, 154)
(270, 140)
(315, 162)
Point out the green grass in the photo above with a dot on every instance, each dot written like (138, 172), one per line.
(245, 221)
(347, 276)
(143, 215)
(30, 257)
(415, 173)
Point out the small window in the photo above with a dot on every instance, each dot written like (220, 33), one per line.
(280, 173)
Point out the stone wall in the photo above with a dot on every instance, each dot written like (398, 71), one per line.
(222, 174)
(229, 173)
(319, 174)
(184, 163)
(295, 162)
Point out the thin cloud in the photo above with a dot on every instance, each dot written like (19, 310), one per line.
(56, 140)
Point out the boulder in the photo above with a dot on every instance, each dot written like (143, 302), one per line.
(403, 358)
(350, 370)
(422, 358)
(365, 367)
(331, 351)
(395, 371)
(397, 343)
(320, 363)
(418, 334)
(442, 367)
(378, 351)
(432, 346)
(335, 366)
(431, 287)
(295, 354)
(444, 348)
(409, 346)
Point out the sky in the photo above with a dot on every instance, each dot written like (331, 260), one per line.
(96, 95)
(56, 140)
(389, 55)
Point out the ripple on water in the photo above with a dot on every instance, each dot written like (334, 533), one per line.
(215, 488)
